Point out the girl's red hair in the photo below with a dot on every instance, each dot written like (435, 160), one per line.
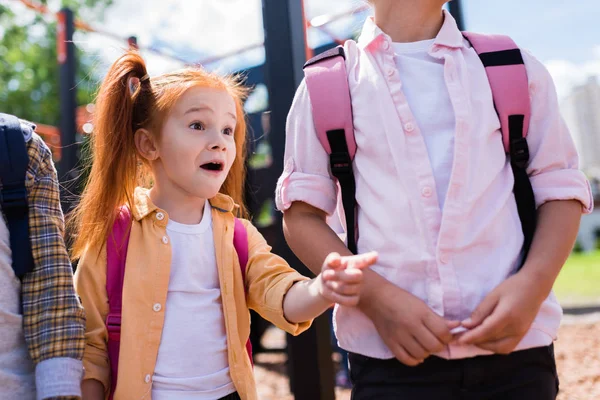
(117, 168)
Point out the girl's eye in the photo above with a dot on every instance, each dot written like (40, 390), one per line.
(199, 126)
(228, 131)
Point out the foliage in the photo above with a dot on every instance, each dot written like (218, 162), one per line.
(29, 71)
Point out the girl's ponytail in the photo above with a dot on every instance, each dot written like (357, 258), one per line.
(123, 105)
(126, 102)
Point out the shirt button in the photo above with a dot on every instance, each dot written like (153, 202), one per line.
(157, 307)
(443, 258)
(426, 191)
(391, 71)
(385, 45)
(147, 378)
(409, 127)
(165, 239)
(160, 216)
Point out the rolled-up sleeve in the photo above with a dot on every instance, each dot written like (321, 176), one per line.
(554, 163)
(306, 175)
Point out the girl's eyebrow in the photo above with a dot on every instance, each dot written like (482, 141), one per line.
(198, 109)
(206, 108)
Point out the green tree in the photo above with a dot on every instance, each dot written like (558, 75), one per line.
(29, 71)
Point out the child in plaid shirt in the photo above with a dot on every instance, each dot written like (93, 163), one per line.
(41, 319)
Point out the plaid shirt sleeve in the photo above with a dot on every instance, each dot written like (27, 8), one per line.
(53, 318)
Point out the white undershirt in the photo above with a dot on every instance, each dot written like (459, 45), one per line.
(192, 357)
(423, 84)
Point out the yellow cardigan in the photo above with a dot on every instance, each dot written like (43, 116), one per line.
(268, 278)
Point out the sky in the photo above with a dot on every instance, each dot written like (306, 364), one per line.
(564, 34)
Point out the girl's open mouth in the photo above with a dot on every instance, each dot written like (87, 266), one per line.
(213, 166)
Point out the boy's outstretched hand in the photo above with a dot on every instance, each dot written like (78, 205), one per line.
(341, 277)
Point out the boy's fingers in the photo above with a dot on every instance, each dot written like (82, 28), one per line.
(501, 346)
(429, 341)
(486, 332)
(414, 349)
(439, 327)
(452, 324)
(483, 310)
(402, 355)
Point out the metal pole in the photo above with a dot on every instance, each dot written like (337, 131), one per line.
(310, 365)
(309, 52)
(132, 43)
(68, 105)
(456, 11)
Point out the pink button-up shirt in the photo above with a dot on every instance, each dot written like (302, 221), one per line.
(450, 259)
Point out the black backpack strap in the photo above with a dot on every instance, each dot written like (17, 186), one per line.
(341, 168)
(508, 79)
(13, 196)
(337, 51)
(524, 196)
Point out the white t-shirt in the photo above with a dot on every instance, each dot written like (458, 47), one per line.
(192, 357)
(430, 103)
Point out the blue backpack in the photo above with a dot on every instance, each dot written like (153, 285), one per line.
(13, 195)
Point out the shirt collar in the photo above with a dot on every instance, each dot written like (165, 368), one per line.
(143, 205)
(448, 36)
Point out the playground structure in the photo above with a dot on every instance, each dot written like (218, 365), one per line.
(310, 365)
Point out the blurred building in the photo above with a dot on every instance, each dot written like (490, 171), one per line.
(581, 111)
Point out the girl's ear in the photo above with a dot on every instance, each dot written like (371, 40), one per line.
(146, 144)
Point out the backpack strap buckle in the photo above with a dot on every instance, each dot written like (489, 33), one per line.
(113, 326)
(13, 197)
(519, 152)
(340, 164)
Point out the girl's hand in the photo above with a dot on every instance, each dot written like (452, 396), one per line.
(341, 277)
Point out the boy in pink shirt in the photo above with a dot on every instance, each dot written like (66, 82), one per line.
(434, 195)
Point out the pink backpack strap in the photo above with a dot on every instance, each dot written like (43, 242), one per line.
(116, 249)
(116, 256)
(327, 83)
(329, 93)
(507, 75)
(240, 243)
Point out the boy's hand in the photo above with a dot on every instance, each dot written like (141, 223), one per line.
(505, 315)
(341, 277)
(407, 325)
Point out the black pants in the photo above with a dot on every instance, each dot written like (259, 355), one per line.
(523, 375)
(232, 396)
